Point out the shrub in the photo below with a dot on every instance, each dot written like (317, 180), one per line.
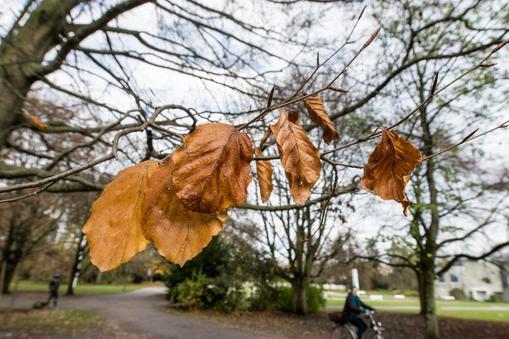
(136, 278)
(497, 297)
(315, 298)
(211, 280)
(265, 298)
(379, 282)
(281, 299)
(458, 294)
(190, 293)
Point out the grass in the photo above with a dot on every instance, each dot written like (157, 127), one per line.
(385, 293)
(51, 318)
(478, 311)
(27, 286)
(502, 316)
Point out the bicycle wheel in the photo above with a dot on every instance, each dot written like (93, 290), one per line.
(341, 332)
(370, 334)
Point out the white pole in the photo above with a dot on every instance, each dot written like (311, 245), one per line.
(355, 278)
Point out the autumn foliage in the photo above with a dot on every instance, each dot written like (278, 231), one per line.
(114, 230)
(299, 157)
(264, 173)
(212, 168)
(181, 202)
(318, 115)
(166, 218)
(389, 168)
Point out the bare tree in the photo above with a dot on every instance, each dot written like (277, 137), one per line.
(25, 229)
(75, 217)
(450, 191)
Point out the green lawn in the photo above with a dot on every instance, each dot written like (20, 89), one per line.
(51, 318)
(479, 310)
(385, 293)
(477, 315)
(27, 286)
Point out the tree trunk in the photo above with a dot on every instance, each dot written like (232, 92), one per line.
(426, 282)
(76, 266)
(12, 97)
(22, 53)
(299, 302)
(8, 274)
(422, 293)
(427, 255)
(7, 269)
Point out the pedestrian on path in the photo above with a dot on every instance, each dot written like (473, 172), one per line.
(54, 285)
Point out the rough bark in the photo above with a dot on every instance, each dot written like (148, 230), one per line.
(76, 266)
(299, 298)
(8, 274)
(23, 51)
(427, 253)
(426, 285)
(11, 255)
(22, 54)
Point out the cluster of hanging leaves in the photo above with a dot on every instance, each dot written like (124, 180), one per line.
(181, 202)
(178, 204)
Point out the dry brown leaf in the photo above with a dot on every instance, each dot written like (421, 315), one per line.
(300, 158)
(212, 169)
(319, 116)
(264, 174)
(114, 231)
(389, 168)
(37, 122)
(294, 116)
(177, 233)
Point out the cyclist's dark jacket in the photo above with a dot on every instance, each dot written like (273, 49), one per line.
(353, 307)
(54, 284)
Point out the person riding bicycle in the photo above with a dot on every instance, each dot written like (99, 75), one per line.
(353, 308)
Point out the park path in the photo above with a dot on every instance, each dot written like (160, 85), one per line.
(142, 311)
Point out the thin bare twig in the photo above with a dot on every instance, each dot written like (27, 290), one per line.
(48, 181)
(431, 95)
(296, 98)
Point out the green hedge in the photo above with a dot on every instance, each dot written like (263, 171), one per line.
(281, 299)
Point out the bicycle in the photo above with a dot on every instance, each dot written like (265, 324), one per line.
(345, 330)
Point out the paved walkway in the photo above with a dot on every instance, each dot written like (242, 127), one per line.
(141, 311)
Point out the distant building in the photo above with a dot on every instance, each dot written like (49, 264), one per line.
(479, 280)
(504, 273)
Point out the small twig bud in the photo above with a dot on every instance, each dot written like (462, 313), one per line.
(362, 12)
(500, 45)
(434, 85)
(265, 136)
(487, 64)
(271, 95)
(338, 89)
(465, 139)
(372, 37)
